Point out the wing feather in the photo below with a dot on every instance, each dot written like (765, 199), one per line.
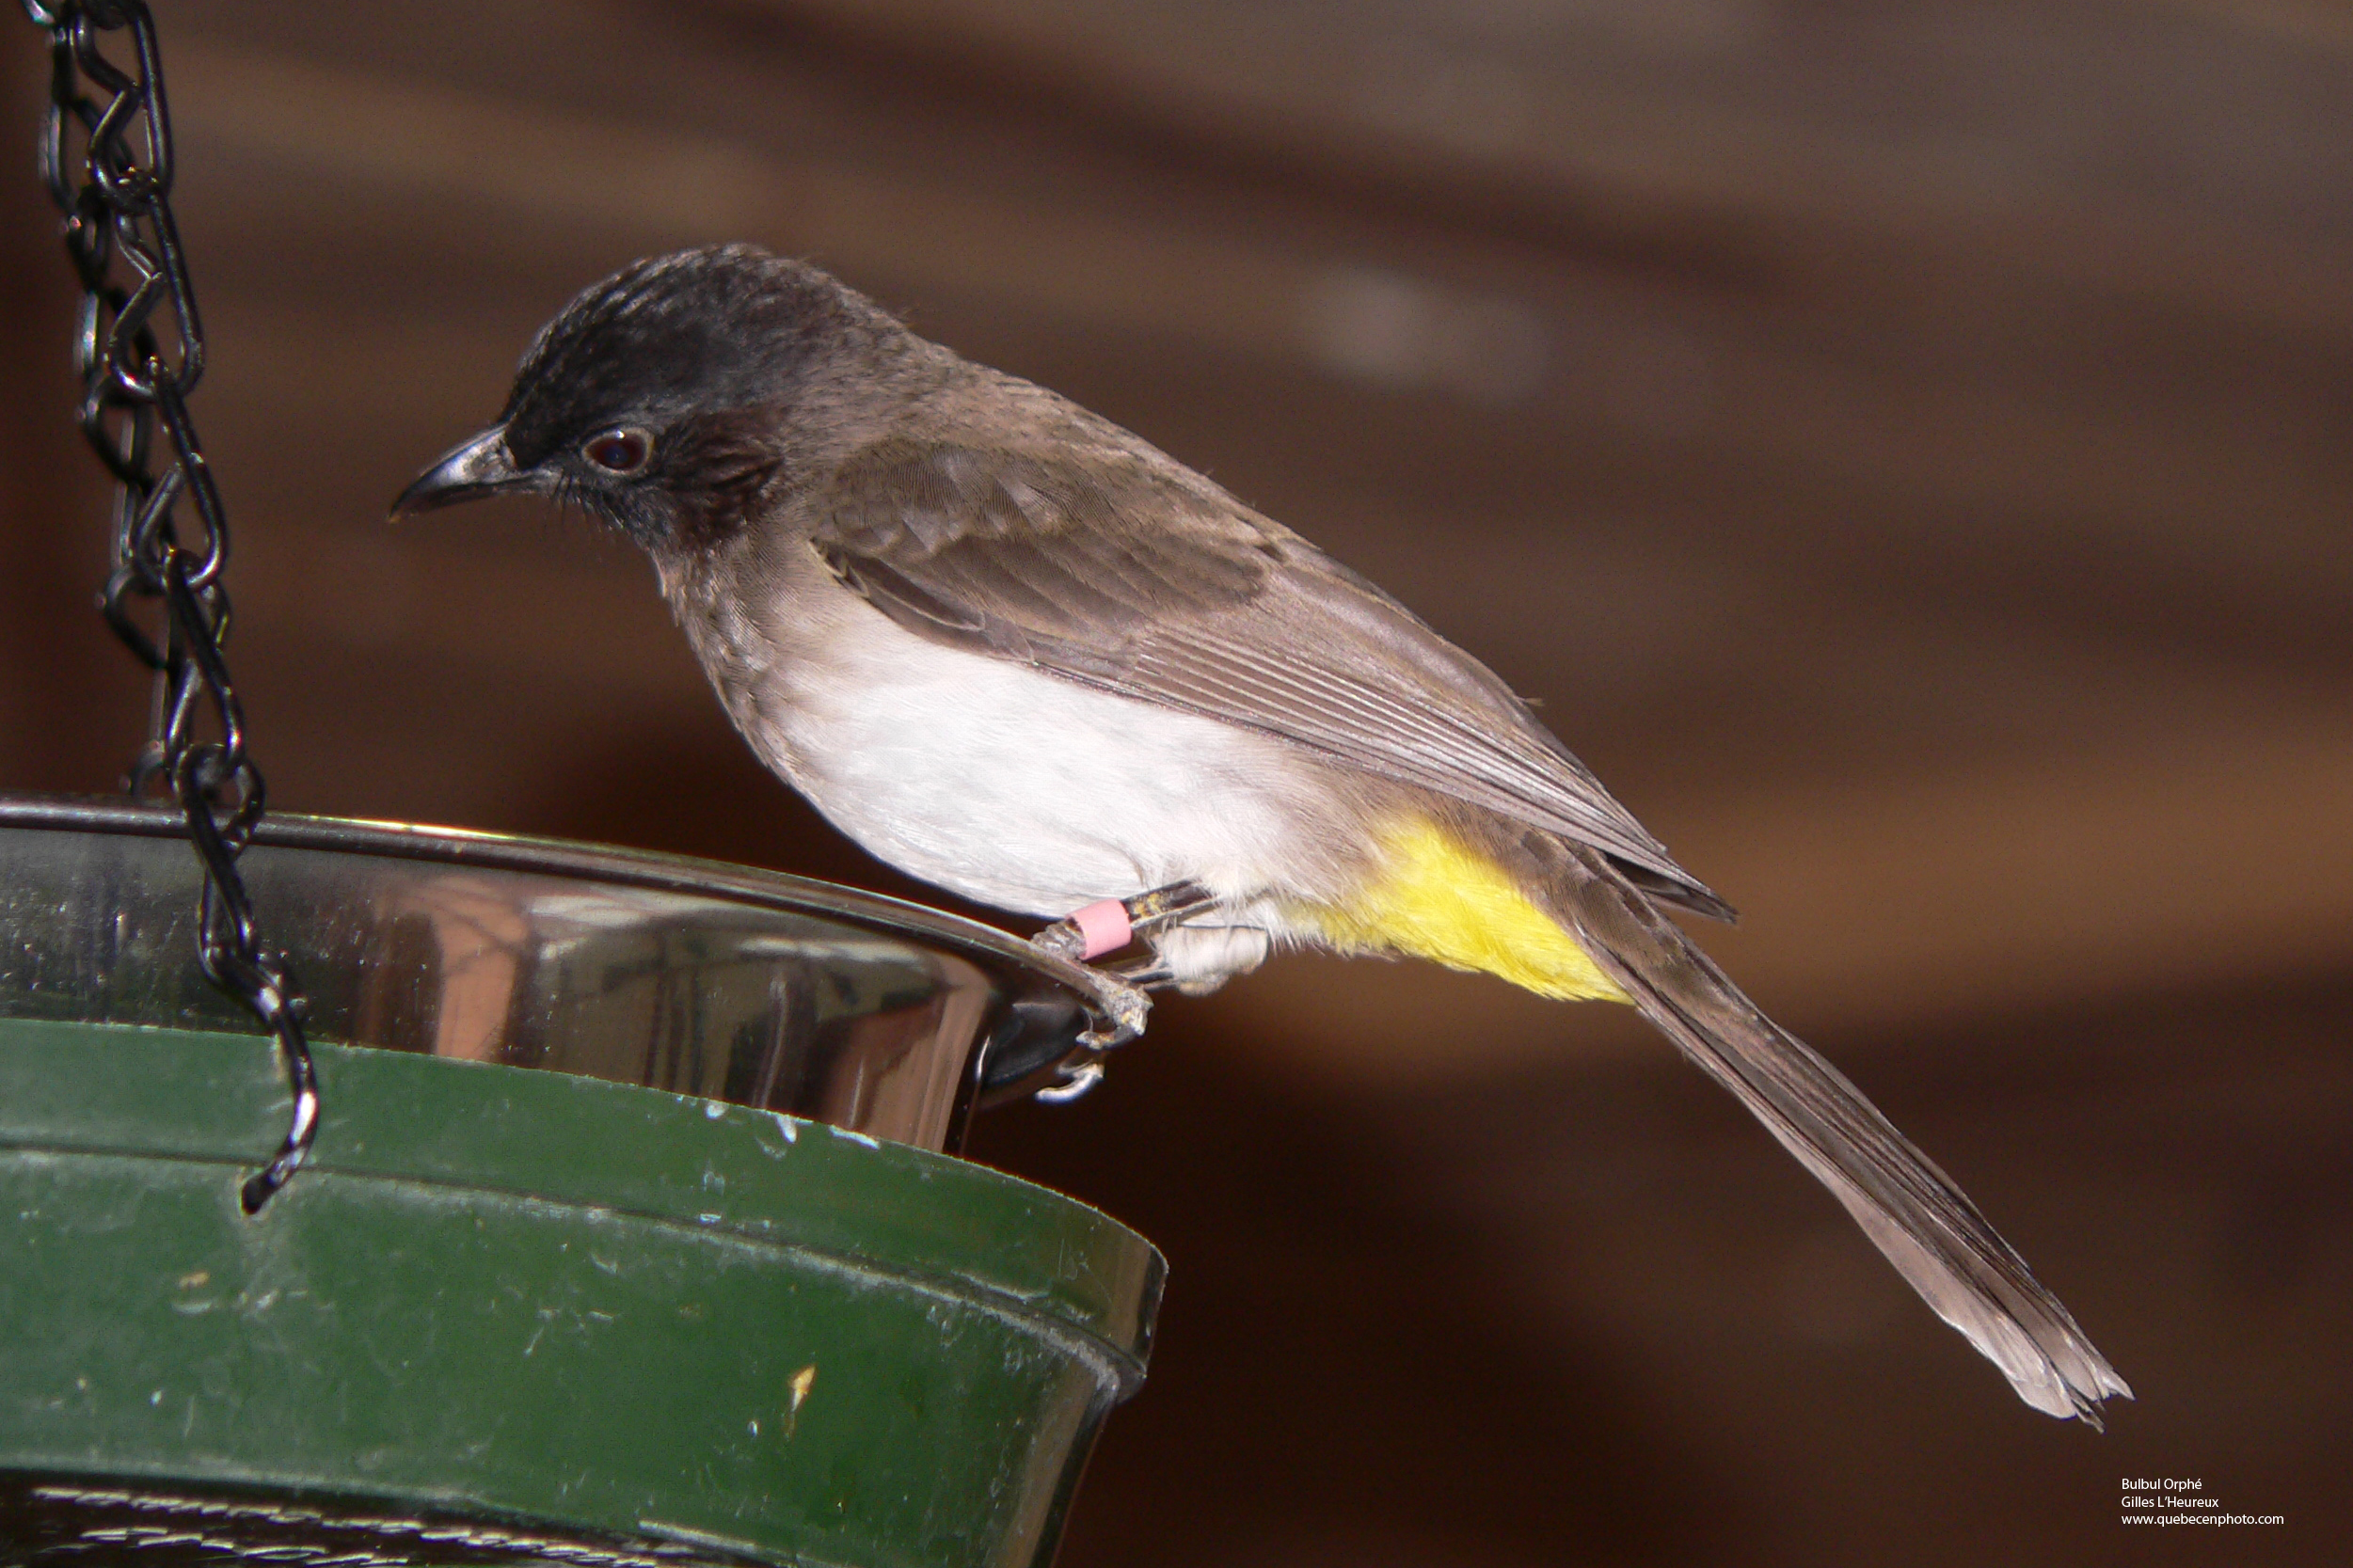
(1117, 568)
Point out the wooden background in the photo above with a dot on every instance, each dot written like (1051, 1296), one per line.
(1902, 445)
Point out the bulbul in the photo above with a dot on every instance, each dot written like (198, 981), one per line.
(1022, 653)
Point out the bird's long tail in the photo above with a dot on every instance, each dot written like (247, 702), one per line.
(1910, 1210)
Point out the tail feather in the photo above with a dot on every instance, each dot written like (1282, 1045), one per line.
(1912, 1212)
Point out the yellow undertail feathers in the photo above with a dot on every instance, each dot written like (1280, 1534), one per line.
(1434, 898)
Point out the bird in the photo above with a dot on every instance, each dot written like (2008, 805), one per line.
(1021, 653)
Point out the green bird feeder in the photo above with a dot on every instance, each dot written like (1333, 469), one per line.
(709, 1290)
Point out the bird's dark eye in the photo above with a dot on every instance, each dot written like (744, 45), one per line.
(619, 452)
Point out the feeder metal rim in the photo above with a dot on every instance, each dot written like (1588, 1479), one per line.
(603, 863)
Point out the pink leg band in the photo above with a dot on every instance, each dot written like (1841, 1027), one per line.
(1104, 925)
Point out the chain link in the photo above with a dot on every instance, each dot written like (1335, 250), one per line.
(140, 350)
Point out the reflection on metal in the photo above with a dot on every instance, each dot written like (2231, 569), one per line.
(753, 988)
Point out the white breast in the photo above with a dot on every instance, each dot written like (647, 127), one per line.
(1009, 786)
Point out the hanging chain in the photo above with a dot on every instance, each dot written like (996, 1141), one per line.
(141, 352)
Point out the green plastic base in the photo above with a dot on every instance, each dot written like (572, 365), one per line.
(564, 1305)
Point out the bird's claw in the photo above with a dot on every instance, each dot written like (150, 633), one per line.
(1124, 1008)
(1075, 1083)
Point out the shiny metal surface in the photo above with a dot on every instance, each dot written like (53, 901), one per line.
(750, 987)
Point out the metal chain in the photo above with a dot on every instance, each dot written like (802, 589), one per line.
(141, 353)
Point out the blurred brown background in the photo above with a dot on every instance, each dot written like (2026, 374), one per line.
(1902, 445)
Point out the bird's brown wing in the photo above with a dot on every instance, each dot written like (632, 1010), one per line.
(1122, 571)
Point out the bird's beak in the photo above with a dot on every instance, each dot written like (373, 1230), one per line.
(482, 466)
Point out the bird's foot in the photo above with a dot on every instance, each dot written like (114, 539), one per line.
(1122, 1006)
(1125, 1007)
(1121, 991)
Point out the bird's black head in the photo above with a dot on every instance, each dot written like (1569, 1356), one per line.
(663, 398)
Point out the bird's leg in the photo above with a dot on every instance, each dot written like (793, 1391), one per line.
(1148, 974)
(1111, 923)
